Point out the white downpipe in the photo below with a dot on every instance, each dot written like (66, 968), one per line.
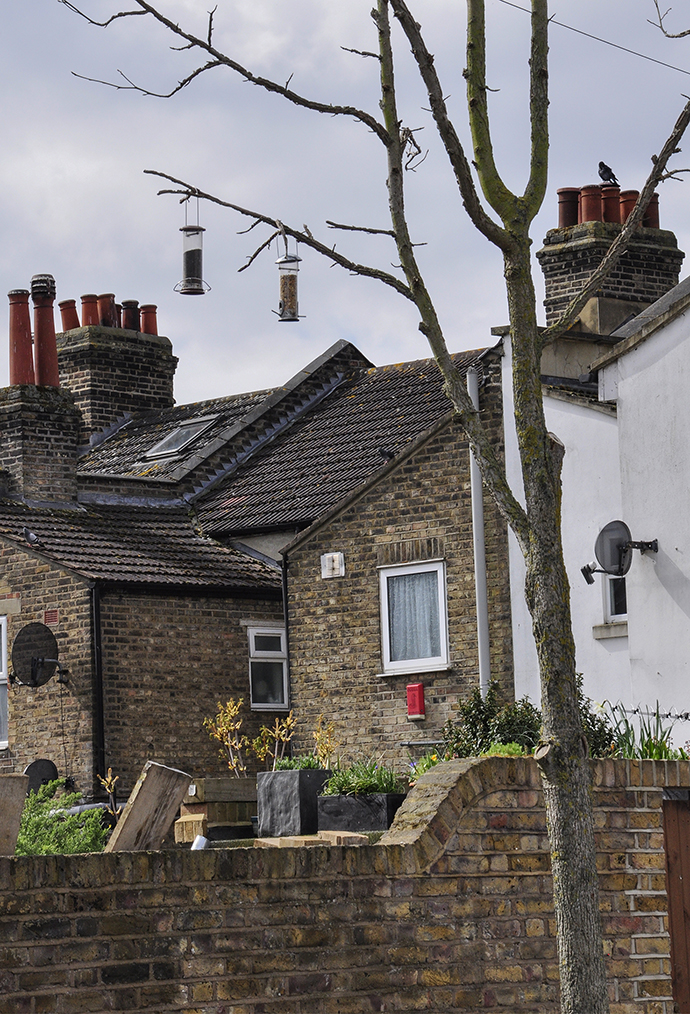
(479, 553)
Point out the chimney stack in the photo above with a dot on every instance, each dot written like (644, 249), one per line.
(46, 361)
(21, 351)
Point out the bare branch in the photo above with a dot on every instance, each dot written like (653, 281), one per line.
(622, 241)
(219, 58)
(102, 24)
(660, 23)
(301, 237)
(263, 246)
(360, 52)
(360, 228)
(131, 86)
(210, 24)
(447, 132)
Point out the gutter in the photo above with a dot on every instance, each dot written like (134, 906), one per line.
(98, 706)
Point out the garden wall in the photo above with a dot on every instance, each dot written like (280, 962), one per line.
(450, 912)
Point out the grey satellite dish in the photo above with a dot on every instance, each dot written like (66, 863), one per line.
(34, 655)
(613, 548)
(40, 772)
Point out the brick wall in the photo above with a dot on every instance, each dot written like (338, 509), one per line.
(649, 267)
(420, 510)
(450, 912)
(111, 371)
(38, 442)
(30, 586)
(167, 660)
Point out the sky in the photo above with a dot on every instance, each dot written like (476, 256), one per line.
(75, 202)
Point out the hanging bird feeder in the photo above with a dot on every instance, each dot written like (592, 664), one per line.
(288, 266)
(192, 283)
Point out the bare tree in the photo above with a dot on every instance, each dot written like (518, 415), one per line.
(659, 23)
(562, 753)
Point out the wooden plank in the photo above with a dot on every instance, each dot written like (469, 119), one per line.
(220, 790)
(13, 789)
(150, 809)
(677, 847)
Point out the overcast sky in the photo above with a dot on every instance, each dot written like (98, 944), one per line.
(74, 200)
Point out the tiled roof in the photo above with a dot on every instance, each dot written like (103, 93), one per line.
(134, 545)
(124, 453)
(332, 450)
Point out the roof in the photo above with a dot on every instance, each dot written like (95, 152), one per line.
(649, 320)
(156, 546)
(325, 455)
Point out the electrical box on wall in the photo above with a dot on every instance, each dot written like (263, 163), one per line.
(415, 702)
(332, 565)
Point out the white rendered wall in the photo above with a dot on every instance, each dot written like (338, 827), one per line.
(652, 386)
(591, 498)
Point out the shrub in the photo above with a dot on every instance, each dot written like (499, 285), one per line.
(46, 829)
(652, 741)
(362, 778)
(304, 762)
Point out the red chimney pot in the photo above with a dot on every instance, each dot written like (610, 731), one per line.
(21, 352)
(107, 311)
(149, 323)
(89, 309)
(68, 312)
(43, 296)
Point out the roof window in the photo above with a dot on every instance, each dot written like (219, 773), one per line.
(180, 437)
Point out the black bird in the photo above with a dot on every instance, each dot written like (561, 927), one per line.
(607, 174)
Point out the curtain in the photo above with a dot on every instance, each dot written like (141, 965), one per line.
(413, 618)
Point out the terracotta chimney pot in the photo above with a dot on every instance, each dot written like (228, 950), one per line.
(149, 323)
(610, 199)
(68, 312)
(89, 309)
(107, 311)
(46, 361)
(651, 215)
(21, 352)
(628, 202)
(130, 314)
(590, 204)
(568, 198)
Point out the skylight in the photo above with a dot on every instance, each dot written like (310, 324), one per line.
(180, 437)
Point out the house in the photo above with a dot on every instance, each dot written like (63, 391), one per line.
(599, 457)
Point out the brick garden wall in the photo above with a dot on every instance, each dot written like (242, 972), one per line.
(420, 510)
(450, 912)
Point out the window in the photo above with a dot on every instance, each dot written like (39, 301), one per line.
(3, 681)
(180, 437)
(268, 669)
(413, 617)
(615, 599)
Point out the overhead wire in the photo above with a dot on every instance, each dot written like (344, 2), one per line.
(596, 38)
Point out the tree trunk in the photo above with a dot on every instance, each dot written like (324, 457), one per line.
(562, 753)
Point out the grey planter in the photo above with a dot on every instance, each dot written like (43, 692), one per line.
(286, 801)
(374, 812)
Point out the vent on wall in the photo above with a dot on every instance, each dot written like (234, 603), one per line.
(51, 617)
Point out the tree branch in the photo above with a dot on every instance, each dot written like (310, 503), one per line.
(535, 190)
(622, 241)
(451, 142)
(131, 86)
(360, 228)
(303, 237)
(660, 23)
(221, 59)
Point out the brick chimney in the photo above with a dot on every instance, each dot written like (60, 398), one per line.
(39, 430)
(116, 371)
(589, 220)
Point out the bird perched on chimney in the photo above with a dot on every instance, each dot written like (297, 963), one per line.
(607, 174)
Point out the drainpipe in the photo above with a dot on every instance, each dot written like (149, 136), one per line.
(479, 553)
(98, 709)
(284, 577)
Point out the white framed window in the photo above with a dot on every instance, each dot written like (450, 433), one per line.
(3, 682)
(268, 685)
(615, 599)
(414, 619)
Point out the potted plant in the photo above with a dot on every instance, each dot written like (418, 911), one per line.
(362, 797)
(287, 793)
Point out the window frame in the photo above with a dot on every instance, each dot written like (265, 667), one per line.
(4, 682)
(609, 615)
(431, 664)
(188, 424)
(268, 656)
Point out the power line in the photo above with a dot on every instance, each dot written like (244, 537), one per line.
(596, 38)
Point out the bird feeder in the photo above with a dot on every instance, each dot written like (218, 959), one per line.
(192, 283)
(288, 266)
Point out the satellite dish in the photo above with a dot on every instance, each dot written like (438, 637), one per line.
(613, 548)
(40, 772)
(34, 655)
